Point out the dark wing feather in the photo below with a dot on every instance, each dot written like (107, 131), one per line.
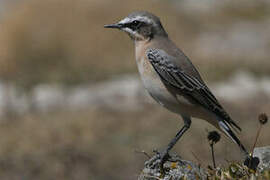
(189, 86)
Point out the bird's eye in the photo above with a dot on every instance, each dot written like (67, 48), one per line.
(135, 23)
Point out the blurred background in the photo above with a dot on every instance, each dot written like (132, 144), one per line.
(72, 105)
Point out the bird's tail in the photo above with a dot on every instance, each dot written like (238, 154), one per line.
(226, 128)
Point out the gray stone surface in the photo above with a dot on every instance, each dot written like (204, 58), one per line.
(263, 153)
(175, 169)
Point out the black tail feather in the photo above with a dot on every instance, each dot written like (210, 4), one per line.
(227, 130)
(234, 125)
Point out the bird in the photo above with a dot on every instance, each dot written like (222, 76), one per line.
(172, 80)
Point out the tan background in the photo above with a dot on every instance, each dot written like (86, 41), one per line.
(62, 43)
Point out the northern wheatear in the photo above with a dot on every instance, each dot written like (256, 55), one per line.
(171, 79)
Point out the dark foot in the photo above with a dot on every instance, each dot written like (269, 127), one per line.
(164, 156)
(158, 159)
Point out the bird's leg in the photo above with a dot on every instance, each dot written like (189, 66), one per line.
(165, 154)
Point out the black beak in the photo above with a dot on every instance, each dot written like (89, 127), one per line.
(117, 26)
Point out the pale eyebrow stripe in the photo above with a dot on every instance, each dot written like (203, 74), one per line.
(144, 19)
(139, 18)
(126, 20)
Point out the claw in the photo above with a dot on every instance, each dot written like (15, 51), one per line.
(161, 161)
(158, 160)
(164, 156)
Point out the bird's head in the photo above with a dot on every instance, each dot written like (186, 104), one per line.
(140, 26)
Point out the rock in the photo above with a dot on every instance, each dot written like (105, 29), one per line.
(174, 169)
(263, 153)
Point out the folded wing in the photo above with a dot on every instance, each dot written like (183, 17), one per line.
(187, 85)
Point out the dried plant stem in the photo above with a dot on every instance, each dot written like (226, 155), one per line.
(143, 152)
(256, 139)
(213, 155)
(196, 157)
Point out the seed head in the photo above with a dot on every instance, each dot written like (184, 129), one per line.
(263, 118)
(213, 137)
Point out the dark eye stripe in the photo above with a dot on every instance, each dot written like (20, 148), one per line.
(134, 24)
